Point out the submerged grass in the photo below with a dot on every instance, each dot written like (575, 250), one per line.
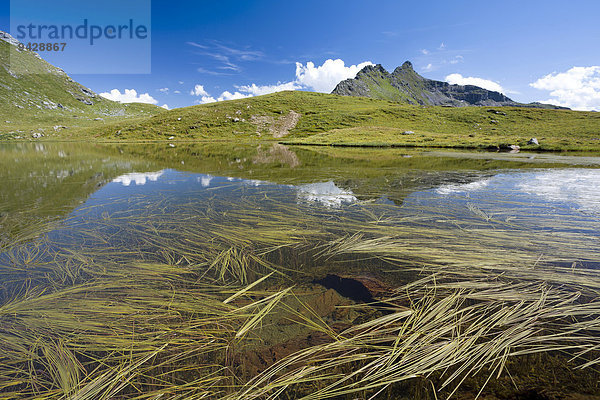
(158, 299)
(441, 333)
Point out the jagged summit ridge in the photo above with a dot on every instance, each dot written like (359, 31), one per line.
(407, 86)
(406, 65)
(369, 69)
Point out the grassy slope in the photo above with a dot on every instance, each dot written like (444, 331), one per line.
(339, 120)
(411, 93)
(382, 89)
(31, 89)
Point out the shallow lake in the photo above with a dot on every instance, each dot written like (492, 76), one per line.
(75, 214)
(544, 207)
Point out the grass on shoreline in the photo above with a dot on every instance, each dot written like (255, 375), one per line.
(394, 137)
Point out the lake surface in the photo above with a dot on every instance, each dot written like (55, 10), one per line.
(72, 212)
(503, 202)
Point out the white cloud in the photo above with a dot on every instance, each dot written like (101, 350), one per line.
(177, 92)
(257, 90)
(226, 95)
(578, 88)
(206, 100)
(322, 78)
(164, 90)
(165, 106)
(325, 77)
(425, 51)
(428, 67)
(442, 46)
(198, 90)
(247, 91)
(129, 96)
(458, 79)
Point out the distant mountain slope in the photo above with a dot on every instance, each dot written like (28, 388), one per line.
(34, 91)
(406, 86)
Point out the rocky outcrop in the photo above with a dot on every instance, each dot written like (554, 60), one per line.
(279, 127)
(8, 38)
(407, 86)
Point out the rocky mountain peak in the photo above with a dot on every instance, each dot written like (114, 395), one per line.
(405, 85)
(372, 69)
(407, 71)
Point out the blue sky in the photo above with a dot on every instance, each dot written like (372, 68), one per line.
(228, 46)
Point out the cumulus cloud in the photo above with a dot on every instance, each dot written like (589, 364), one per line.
(425, 51)
(324, 78)
(243, 92)
(458, 79)
(165, 106)
(321, 78)
(198, 90)
(206, 100)
(226, 95)
(257, 90)
(129, 96)
(578, 88)
(164, 90)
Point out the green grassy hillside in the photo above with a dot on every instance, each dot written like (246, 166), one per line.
(37, 96)
(340, 120)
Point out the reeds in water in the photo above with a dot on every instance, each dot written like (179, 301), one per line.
(164, 301)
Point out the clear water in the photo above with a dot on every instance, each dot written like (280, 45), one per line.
(88, 217)
(549, 212)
